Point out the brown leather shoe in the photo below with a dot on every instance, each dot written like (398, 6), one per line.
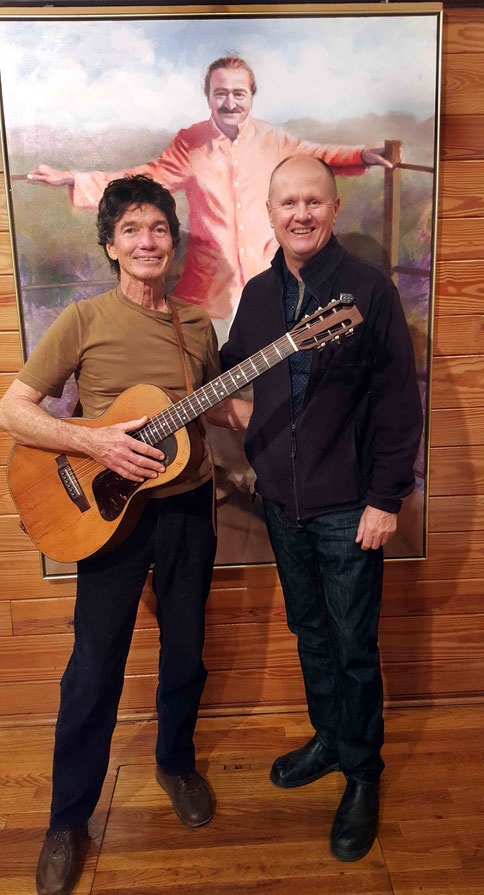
(60, 861)
(191, 796)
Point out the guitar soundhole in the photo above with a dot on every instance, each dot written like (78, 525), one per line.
(112, 491)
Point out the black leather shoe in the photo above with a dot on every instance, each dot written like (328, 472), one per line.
(303, 765)
(60, 861)
(356, 821)
(191, 796)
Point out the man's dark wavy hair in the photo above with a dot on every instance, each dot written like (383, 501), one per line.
(134, 189)
(233, 62)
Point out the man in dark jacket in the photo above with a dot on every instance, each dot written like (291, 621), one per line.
(333, 439)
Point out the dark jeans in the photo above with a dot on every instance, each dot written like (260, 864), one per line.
(332, 590)
(176, 534)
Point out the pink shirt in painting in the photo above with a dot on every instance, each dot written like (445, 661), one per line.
(226, 185)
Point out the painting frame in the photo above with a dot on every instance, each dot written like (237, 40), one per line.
(280, 12)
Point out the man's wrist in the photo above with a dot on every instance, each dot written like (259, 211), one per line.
(387, 504)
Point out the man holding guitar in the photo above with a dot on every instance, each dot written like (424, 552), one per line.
(333, 439)
(133, 334)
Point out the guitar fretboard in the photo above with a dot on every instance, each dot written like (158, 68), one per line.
(189, 408)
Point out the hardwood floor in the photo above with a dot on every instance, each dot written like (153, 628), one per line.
(262, 840)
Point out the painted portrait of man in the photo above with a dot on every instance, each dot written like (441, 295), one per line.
(92, 99)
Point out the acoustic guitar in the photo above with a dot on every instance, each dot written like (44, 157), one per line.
(72, 506)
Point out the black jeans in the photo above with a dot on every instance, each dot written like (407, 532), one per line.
(176, 534)
(332, 590)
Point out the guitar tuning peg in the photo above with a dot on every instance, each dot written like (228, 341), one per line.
(349, 332)
(323, 345)
(336, 339)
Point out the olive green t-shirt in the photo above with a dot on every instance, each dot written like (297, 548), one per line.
(111, 343)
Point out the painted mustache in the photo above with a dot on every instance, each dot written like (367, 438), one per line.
(224, 111)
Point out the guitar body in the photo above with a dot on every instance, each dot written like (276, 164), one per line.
(72, 506)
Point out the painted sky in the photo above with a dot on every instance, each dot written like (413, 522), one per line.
(84, 76)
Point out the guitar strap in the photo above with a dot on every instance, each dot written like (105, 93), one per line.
(181, 343)
(189, 386)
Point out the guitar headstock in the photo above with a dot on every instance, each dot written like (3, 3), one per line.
(327, 324)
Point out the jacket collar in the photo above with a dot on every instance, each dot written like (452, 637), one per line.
(318, 270)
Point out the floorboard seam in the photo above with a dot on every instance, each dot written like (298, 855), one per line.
(386, 866)
(104, 828)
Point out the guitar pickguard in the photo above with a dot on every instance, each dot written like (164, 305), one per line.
(112, 491)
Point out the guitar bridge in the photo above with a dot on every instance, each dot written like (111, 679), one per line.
(71, 483)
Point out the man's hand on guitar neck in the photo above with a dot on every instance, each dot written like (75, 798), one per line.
(231, 413)
(29, 424)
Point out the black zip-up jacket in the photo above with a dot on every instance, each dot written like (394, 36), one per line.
(356, 438)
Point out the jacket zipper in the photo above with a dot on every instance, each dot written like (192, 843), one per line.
(293, 424)
(293, 435)
(293, 464)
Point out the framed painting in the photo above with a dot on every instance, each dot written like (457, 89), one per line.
(88, 94)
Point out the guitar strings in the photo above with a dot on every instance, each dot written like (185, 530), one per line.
(250, 369)
(177, 415)
(227, 383)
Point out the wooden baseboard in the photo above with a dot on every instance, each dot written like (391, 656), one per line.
(227, 711)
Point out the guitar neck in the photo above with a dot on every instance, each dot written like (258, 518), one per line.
(193, 405)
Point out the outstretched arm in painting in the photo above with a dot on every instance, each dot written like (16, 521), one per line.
(51, 176)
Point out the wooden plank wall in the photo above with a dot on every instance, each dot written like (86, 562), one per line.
(433, 618)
